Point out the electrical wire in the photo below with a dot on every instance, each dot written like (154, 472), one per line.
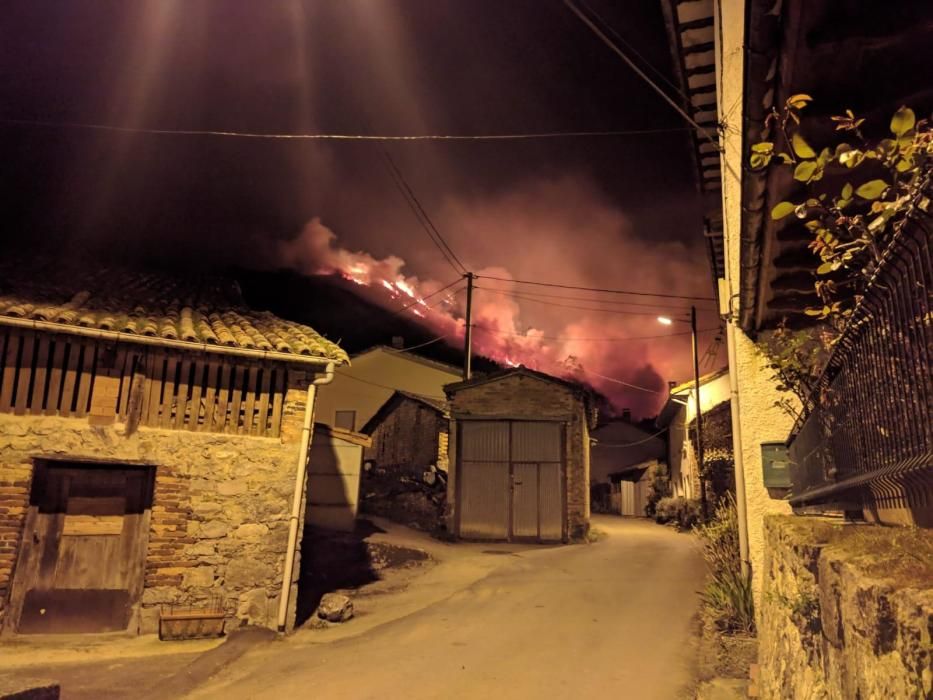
(381, 386)
(423, 217)
(595, 289)
(418, 301)
(564, 297)
(600, 443)
(569, 306)
(591, 340)
(518, 136)
(422, 345)
(619, 381)
(644, 76)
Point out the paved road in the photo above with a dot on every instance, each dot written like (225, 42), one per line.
(613, 619)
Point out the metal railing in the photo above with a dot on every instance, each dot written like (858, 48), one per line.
(865, 439)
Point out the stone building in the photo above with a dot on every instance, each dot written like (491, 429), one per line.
(150, 442)
(409, 434)
(519, 457)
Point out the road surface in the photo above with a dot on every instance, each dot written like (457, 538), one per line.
(612, 619)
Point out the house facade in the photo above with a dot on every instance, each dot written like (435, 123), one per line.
(679, 417)
(519, 458)
(358, 391)
(409, 434)
(624, 459)
(150, 432)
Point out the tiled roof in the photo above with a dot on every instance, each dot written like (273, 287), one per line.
(439, 405)
(202, 311)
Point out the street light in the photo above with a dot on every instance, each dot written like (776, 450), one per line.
(667, 321)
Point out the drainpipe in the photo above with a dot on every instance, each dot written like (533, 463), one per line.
(300, 473)
(738, 457)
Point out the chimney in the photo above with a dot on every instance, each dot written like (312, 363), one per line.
(398, 342)
(627, 415)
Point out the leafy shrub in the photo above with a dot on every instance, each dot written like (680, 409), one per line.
(682, 512)
(659, 488)
(727, 597)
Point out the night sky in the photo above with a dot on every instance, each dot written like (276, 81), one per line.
(616, 212)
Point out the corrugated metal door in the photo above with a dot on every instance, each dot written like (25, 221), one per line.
(525, 500)
(484, 479)
(537, 450)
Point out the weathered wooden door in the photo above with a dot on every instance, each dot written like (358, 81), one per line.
(82, 556)
(537, 502)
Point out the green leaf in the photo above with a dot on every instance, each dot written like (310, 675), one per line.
(759, 160)
(825, 268)
(813, 312)
(785, 157)
(903, 121)
(847, 191)
(763, 147)
(903, 165)
(871, 189)
(804, 170)
(852, 158)
(782, 209)
(799, 101)
(801, 147)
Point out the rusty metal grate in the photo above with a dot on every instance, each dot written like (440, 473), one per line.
(865, 439)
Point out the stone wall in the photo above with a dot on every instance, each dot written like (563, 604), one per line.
(406, 438)
(528, 398)
(219, 519)
(847, 611)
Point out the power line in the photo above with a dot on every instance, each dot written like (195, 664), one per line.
(422, 345)
(600, 443)
(590, 340)
(569, 306)
(619, 381)
(381, 386)
(423, 217)
(564, 297)
(418, 301)
(644, 76)
(635, 51)
(518, 136)
(595, 289)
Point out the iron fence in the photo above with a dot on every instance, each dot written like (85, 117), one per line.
(865, 439)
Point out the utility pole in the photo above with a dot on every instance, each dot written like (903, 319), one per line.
(699, 418)
(468, 336)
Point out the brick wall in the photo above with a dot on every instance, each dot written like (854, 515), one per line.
(14, 500)
(528, 398)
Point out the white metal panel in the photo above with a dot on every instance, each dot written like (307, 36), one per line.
(551, 502)
(333, 484)
(536, 441)
(525, 500)
(484, 500)
(484, 441)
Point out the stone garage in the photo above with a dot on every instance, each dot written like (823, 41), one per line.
(519, 458)
(151, 433)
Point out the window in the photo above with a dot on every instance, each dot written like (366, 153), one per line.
(345, 420)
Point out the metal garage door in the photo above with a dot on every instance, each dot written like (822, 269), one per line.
(484, 480)
(510, 480)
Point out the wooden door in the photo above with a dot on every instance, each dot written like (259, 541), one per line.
(84, 544)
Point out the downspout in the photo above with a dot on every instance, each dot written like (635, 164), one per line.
(738, 457)
(297, 497)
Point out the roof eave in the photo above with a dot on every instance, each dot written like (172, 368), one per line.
(120, 337)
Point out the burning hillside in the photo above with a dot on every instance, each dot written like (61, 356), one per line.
(604, 342)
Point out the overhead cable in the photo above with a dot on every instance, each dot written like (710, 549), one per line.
(421, 299)
(595, 289)
(588, 340)
(595, 300)
(568, 306)
(423, 217)
(518, 136)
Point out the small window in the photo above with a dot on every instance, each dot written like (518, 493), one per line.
(345, 420)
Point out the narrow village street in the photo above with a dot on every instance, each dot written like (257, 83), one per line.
(611, 619)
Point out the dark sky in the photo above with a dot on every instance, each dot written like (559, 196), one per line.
(348, 66)
(616, 212)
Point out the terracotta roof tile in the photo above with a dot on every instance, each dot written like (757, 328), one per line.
(203, 311)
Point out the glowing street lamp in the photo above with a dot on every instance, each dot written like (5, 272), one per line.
(667, 321)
